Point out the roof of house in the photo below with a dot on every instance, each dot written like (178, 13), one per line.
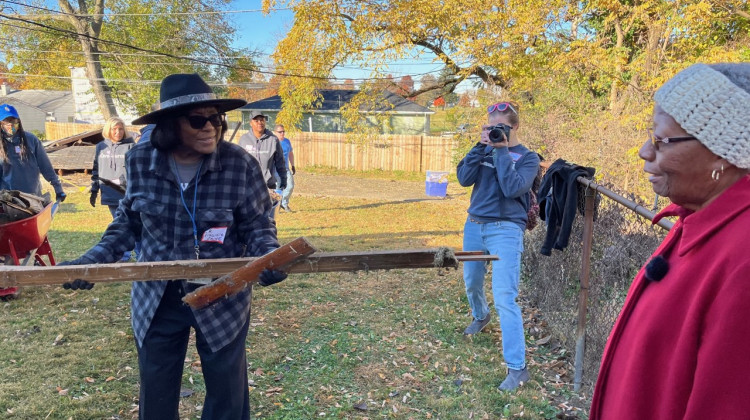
(334, 99)
(46, 100)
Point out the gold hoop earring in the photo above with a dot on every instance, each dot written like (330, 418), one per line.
(715, 175)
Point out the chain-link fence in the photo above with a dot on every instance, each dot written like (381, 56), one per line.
(622, 242)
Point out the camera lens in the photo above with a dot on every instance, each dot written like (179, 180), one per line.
(496, 135)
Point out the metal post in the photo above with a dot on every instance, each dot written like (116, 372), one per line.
(583, 297)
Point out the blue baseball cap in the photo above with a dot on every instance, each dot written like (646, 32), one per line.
(7, 111)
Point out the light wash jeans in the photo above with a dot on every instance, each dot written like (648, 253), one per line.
(287, 192)
(504, 239)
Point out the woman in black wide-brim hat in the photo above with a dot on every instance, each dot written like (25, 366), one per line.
(190, 195)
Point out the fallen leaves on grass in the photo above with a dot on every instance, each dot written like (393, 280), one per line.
(273, 391)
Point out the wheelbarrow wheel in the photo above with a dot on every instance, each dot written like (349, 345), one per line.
(15, 294)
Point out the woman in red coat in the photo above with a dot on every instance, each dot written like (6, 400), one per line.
(680, 347)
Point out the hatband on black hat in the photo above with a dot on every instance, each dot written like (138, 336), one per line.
(180, 92)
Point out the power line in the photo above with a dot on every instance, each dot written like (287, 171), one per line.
(248, 85)
(166, 63)
(204, 12)
(417, 63)
(197, 60)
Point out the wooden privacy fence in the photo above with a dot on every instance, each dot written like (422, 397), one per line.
(57, 131)
(409, 153)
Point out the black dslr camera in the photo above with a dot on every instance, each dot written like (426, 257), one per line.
(499, 133)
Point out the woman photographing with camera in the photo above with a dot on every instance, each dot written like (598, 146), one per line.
(501, 171)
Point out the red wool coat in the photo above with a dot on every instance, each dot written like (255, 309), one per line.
(680, 348)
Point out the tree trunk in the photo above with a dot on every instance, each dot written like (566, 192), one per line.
(89, 28)
(614, 105)
(99, 86)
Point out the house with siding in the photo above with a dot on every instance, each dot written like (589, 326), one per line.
(36, 106)
(404, 116)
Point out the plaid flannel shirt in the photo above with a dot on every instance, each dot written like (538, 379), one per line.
(231, 194)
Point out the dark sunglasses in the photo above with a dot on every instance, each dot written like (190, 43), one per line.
(199, 121)
(502, 107)
(666, 140)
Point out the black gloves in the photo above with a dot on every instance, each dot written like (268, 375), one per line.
(92, 199)
(294, 171)
(282, 186)
(271, 184)
(269, 277)
(76, 284)
(60, 197)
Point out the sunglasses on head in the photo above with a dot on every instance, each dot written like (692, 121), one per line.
(502, 107)
(199, 121)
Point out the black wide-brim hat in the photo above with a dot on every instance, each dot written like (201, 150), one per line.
(181, 92)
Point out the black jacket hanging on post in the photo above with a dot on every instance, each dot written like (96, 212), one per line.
(559, 208)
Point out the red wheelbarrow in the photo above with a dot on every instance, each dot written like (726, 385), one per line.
(24, 242)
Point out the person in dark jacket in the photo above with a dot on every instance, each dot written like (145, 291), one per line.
(265, 147)
(23, 158)
(109, 169)
(501, 171)
(190, 195)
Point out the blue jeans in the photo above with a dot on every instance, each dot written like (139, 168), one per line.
(504, 239)
(287, 192)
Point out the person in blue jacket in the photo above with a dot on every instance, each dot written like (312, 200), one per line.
(501, 171)
(288, 150)
(108, 175)
(23, 158)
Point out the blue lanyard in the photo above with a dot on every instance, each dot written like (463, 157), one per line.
(195, 200)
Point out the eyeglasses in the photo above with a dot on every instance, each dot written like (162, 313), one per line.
(199, 121)
(502, 107)
(666, 140)
(281, 131)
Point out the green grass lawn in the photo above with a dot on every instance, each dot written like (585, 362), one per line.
(383, 344)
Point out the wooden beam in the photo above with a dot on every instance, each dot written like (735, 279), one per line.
(318, 262)
(237, 280)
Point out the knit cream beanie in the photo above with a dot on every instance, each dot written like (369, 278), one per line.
(710, 107)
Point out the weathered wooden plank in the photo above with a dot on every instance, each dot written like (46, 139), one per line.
(90, 137)
(237, 280)
(318, 262)
(73, 158)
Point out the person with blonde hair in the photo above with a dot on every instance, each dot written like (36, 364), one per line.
(108, 175)
(501, 172)
(679, 347)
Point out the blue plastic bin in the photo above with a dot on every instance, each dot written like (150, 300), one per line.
(436, 183)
